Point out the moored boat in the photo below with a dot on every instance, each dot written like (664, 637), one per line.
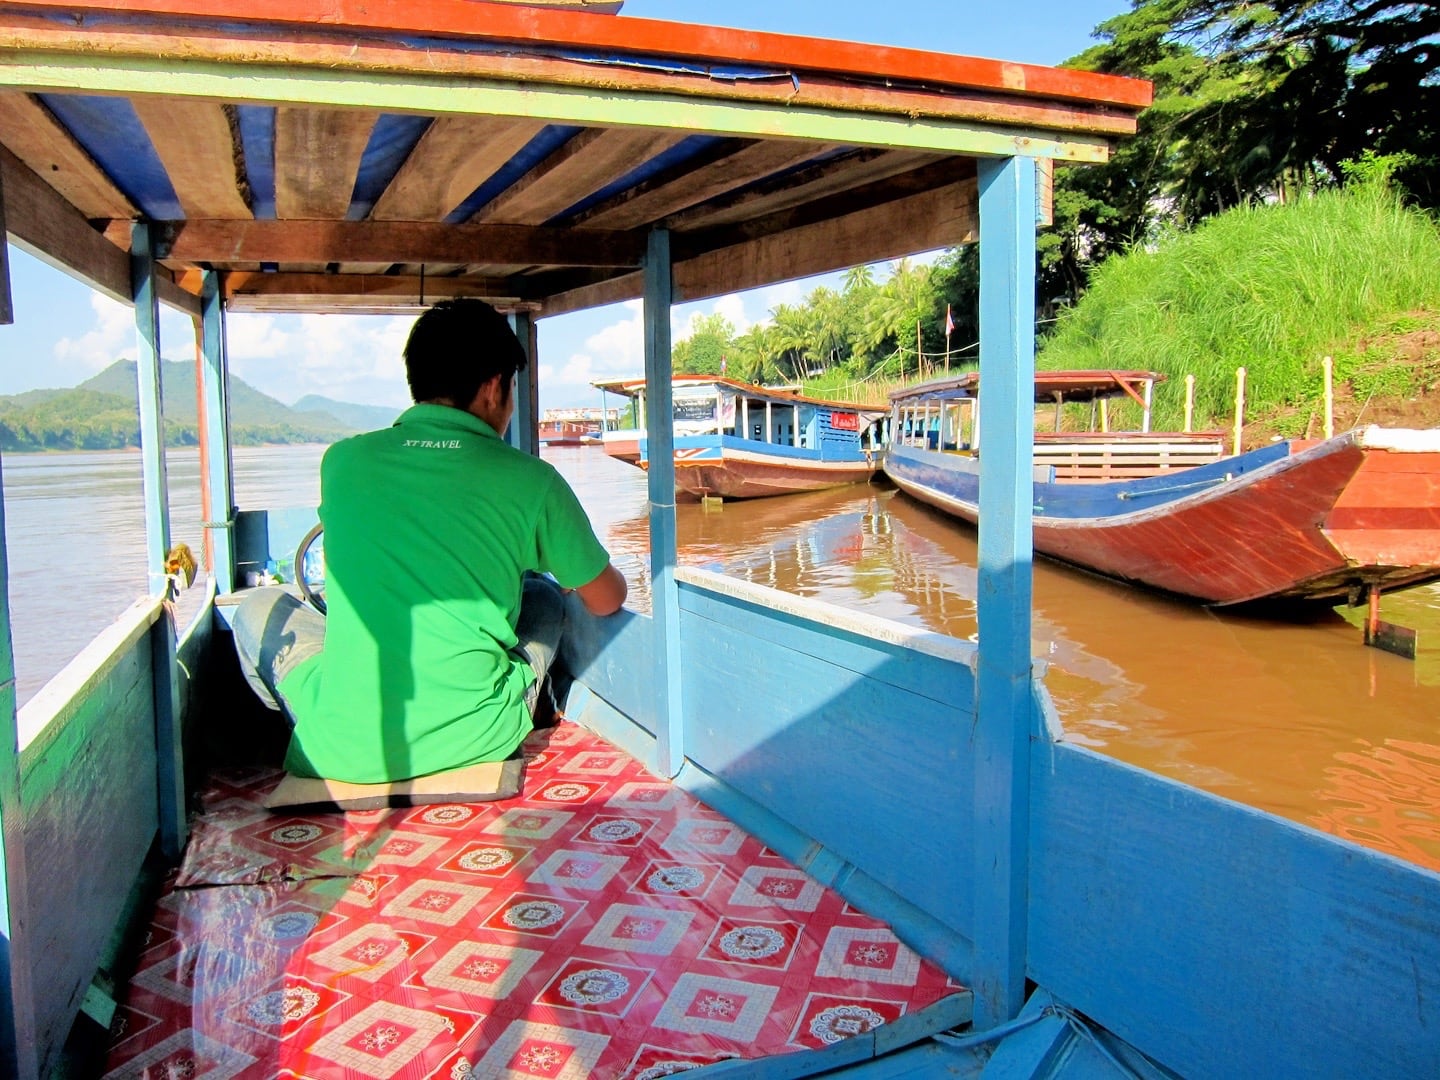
(571, 427)
(736, 440)
(1329, 521)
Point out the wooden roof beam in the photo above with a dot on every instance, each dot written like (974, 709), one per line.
(363, 294)
(588, 162)
(454, 157)
(191, 139)
(936, 174)
(36, 138)
(937, 218)
(387, 242)
(823, 178)
(44, 225)
(328, 144)
(722, 168)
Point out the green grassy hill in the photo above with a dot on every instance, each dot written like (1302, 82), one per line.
(359, 417)
(1349, 274)
(102, 413)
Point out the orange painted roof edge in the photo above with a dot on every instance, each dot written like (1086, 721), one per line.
(623, 34)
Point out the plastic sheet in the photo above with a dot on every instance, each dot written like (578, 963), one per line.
(604, 924)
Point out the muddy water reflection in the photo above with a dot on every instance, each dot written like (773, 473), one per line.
(1300, 720)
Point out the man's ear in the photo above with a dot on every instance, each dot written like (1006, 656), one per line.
(491, 393)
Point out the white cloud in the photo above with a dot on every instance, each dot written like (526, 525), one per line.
(112, 338)
(357, 358)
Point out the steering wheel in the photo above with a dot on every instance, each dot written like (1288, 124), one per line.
(310, 568)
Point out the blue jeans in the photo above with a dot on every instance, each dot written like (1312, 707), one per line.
(275, 631)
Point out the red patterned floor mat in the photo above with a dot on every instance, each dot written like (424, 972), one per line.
(604, 924)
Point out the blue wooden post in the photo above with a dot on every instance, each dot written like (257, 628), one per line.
(169, 742)
(660, 452)
(215, 391)
(1003, 693)
(17, 1017)
(7, 304)
(524, 432)
(152, 413)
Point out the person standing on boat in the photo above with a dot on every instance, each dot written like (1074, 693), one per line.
(441, 624)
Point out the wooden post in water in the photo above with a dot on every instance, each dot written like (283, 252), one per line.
(1004, 692)
(1329, 366)
(1239, 407)
(660, 450)
(1189, 401)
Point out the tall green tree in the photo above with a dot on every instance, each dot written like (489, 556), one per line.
(1252, 101)
(711, 339)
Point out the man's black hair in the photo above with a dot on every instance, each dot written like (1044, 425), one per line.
(457, 346)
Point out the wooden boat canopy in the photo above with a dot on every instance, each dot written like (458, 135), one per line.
(356, 156)
(1050, 387)
(635, 387)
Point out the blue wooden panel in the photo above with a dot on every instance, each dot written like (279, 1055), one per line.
(613, 656)
(818, 726)
(89, 812)
(928, 935)
(1224, 941)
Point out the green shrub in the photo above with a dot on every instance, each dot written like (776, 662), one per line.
(1269, 288)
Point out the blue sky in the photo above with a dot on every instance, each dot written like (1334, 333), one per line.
(64, 333)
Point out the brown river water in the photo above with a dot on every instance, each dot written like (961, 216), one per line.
(1297, 719)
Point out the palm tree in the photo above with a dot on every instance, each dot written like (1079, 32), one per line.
(827, 310)
(791, 337)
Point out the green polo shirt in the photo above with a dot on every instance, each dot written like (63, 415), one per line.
(429, 528)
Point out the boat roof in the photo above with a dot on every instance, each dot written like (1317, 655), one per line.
(342, 155)
(1050, 386)
(632, 387)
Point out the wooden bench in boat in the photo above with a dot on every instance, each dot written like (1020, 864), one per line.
(1091, 456)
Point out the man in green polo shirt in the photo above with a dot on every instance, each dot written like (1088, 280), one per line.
(440, 626)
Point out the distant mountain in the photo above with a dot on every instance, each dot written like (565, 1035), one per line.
(103, 413)
(359, 417)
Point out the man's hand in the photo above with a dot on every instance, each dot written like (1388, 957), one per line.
(606, 593)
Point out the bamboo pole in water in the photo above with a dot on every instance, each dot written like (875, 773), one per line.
(1239, 406)
(1189, 401)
